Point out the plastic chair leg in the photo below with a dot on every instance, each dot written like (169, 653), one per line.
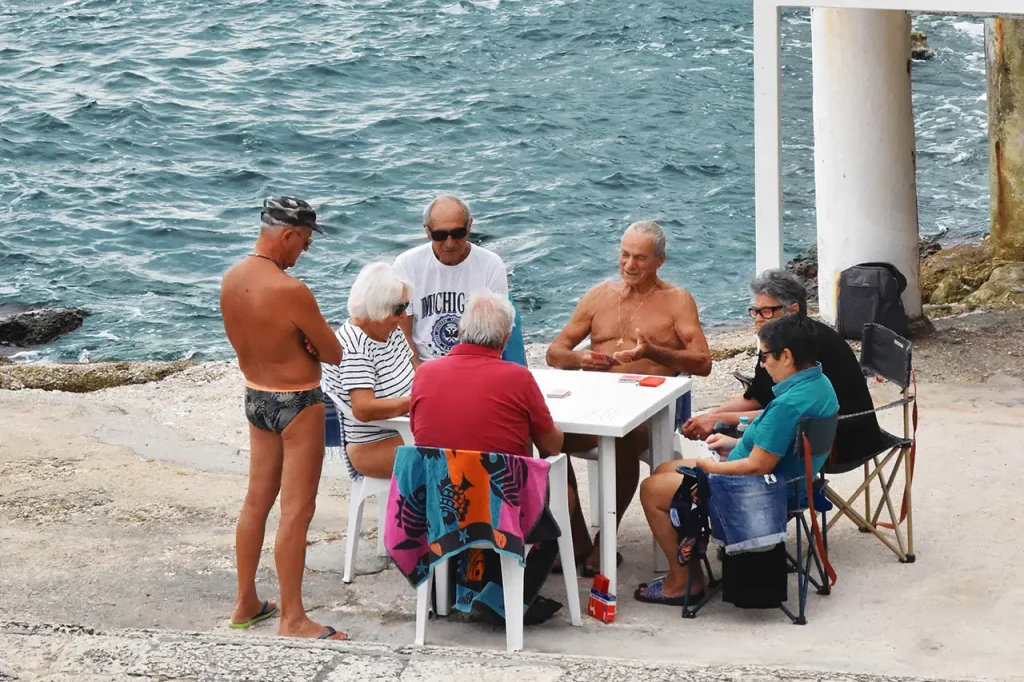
(512, 579)
(422, 608)
(594, 483)
(382, 514)
(355, 522)
(558, 503)
(441, 585)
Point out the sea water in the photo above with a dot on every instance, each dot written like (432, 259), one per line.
(139, 137)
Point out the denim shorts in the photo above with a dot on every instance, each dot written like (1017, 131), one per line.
(748, 513)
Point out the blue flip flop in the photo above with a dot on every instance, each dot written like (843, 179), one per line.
(265, 612)
(654, 593)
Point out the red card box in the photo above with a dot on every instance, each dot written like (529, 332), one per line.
(602, 604)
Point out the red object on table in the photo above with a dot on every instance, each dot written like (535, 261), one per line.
(652, 381)
(602, 604)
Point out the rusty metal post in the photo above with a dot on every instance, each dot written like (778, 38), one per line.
(1004, 53)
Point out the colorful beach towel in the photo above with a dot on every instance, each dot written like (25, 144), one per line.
(442, 501)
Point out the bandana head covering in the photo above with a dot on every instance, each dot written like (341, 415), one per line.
(290, 211)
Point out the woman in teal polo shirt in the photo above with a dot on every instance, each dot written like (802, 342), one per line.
(788, 353)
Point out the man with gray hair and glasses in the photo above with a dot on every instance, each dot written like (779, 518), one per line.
(778, 293)
(443, 273)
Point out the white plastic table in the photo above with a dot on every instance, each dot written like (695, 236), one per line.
(600, 405)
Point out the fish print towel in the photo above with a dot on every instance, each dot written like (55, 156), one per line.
(443, 501)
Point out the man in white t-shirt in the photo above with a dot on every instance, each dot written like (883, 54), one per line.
(444, 272)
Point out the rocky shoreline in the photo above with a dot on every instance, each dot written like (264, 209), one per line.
(956, 282)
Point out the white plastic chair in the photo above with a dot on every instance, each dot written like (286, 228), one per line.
(362, 488)
(511, 572)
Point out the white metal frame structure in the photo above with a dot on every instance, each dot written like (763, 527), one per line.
(767, 99)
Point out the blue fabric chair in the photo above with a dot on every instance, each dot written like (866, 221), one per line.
(515, 349)
(332, 425)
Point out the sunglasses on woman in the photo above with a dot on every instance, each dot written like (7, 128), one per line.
(442, 235)
(762, 355)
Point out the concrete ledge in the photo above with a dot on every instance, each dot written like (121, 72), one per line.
(59, 653)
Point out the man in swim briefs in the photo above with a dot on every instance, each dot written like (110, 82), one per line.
(275, 327)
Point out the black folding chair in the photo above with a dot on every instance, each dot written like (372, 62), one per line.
(886, 355)
(814, 438)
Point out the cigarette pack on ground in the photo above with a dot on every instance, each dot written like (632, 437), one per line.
(602, 604)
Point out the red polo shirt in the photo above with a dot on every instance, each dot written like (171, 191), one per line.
(474, 400)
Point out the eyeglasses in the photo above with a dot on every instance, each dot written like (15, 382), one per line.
(765, 313)
(309, 240)
(400, 308)
(442, 235)
(762, 355)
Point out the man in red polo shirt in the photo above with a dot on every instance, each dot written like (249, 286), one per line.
(474, 400)
(471, 399)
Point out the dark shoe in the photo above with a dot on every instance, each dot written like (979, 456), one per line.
(540, 610)
(589, 572)
(579, 561)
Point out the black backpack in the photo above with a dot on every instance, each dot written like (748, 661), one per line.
(870, 292)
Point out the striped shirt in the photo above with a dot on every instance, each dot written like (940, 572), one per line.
(385, 367)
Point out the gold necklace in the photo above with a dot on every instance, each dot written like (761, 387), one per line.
(622, 332)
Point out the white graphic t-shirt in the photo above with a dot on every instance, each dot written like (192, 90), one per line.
(440, 293)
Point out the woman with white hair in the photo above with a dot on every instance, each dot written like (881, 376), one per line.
(374, 378)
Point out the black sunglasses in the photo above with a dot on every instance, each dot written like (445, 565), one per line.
(766, 313)
(762, 355)
(400, 308)
(442, 235)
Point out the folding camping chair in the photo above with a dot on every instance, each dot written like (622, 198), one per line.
(814, 438)
(886, 355)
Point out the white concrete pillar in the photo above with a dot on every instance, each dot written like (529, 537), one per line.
(864, 165)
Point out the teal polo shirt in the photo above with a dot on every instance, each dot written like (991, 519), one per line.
(805, 394)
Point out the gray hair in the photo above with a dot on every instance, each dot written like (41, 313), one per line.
(446, 197)
(377, 290)
(783, 286)
(487, 320)
(653, 230)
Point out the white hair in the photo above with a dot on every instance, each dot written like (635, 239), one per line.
(446, 197)
(375, 293)
(487, 320)
(653, 230)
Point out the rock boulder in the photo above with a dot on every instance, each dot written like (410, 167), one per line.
(87, 377)
(26, 326)
(919, 48)
(1004, 289)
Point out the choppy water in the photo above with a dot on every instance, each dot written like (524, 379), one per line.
(137, 138)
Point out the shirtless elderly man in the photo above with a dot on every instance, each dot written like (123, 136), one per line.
(649, 327)
(275, 327)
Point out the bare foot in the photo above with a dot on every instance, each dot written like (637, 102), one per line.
(245, 611)
(308, 629)
(674, 588)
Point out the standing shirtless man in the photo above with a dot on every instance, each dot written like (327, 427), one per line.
(275, 327)
(649, 327)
